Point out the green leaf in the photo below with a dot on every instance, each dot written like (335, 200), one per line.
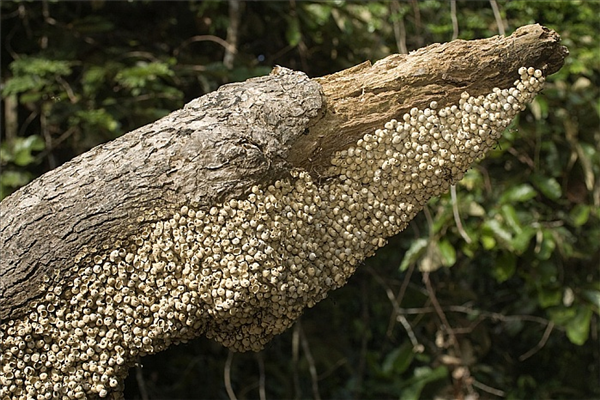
(547, 246)
(139, 75)
(292, 33)
(472, 179)
(20, 84)
(447, 252)
(561, 315)
(30, 97)
(500, 233)
(580, 214)
(548, 186)
(505, 266)
(422, 376)
(19, 150)
(510, 216)
(93, 78)
(33, 143)
(549, 297)
(39, 66)
(578, 328)
(319, 13)
(519, 193)
(414, 252)
(594, 297)
(488, 241)
(23, 158)
(521, 240)
(588, 157)
(398, 360)
(6, 153)
(14, 179)
(95, 119)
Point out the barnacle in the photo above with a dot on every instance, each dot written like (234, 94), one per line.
(243, 271)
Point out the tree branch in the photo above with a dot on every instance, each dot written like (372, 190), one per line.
(231, 216)
(217, 146)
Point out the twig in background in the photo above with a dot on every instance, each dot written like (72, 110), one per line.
(488, 389)
(487, 314)
(399, 28)
(398, 313)
(262, 393)
(232, 33)
(227, 376)
(454, 19)
(456, 214)
(541, 343)
(295, 359)
(362, 362)
(440, 312)
(139, 377)
(498, 17)
(311, 362)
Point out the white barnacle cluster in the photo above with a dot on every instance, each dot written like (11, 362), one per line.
(427, 150)
(243, 271)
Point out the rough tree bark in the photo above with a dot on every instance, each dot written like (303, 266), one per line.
(229, 145)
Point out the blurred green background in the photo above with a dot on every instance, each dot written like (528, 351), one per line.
(495, 294)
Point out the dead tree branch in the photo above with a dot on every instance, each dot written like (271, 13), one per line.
(227, 218)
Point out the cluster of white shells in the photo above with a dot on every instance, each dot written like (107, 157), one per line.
(243, 271)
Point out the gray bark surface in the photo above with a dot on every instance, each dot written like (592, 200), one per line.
(217, 146)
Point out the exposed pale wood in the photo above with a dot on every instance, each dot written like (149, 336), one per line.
(361, 99)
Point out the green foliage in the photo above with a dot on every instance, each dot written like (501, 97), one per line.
(19, 150)
(14, 156)
(513, 262)
(414, 253)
